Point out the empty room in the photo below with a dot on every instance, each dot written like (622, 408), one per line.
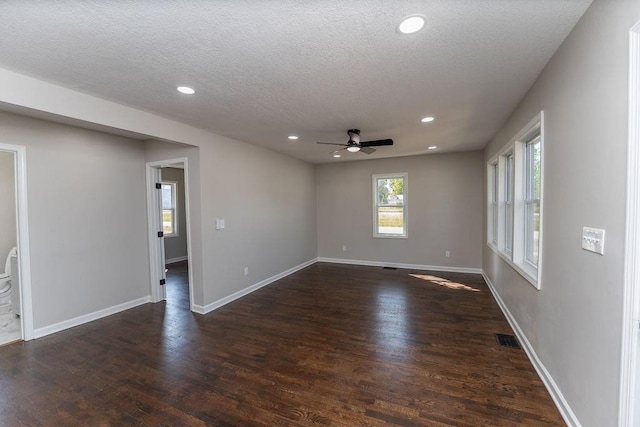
(320, 213)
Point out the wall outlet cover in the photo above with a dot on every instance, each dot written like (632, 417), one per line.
(593, 240)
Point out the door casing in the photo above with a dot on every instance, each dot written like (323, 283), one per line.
(22, 229)
(156, 248)
(630, 366)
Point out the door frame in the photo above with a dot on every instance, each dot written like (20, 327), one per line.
(22, 231)
(629, 366)
(157, 293)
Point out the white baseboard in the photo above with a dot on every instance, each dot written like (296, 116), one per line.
(400, 265)
(66, 324)
(557, 396)
(174, 260)
(234, 296)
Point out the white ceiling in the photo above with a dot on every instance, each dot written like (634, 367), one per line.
(266, 69)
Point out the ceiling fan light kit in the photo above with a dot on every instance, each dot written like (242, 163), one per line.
(354, 144)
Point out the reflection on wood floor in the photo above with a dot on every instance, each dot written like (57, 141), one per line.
(330, 344)
(178, 286)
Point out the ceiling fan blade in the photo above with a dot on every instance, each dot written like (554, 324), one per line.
(367, 150)
(376, 143)
(331, 143)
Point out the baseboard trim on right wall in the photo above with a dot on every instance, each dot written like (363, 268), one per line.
(449, 269)
(557, 396)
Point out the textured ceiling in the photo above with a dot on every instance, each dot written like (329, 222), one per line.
(267, 69)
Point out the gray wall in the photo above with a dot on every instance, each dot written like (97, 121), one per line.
(269, 205)
(574, 322)
(8, 234)
(176, 246)
(87, 225)
(268, 202)
(444, 210)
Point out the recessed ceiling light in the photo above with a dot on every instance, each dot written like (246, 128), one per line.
(186, 90)
(411, 24)
(427, 119)
(336, 155)
(294, 137)
(433, 147)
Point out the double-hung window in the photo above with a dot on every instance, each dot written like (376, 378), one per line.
(492, 232)
(515, 201)
(508, 203)
(532, 163)
(390, 205)
(169, 212)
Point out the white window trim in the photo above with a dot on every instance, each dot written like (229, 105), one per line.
(516, 259)
(493, 204)
(405, 209)
(176, 230)
(507, 238)
(527, 198)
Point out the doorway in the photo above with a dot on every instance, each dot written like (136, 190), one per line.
(174, 226)
(10, 326)
(169, 232)
(16, 321)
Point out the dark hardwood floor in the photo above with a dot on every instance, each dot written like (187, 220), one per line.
(328, 345)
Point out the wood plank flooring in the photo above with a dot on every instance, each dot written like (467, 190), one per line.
(329, 345)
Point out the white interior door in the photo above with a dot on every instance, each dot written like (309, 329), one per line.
(156, 237)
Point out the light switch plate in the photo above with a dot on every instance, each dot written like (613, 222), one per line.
(593, 240)
(219, 224)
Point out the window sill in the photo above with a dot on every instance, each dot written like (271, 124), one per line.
(389, 236)
(530, 274)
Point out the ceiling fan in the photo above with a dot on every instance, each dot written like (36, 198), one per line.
(354, 144)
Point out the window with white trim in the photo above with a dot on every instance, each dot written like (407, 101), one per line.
(515, 200)
(492, 225)
(532, 163)
(390, 205)
(169, 212)
(508, 203)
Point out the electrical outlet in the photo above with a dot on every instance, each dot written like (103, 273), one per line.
(447, 254)
(246, 271)
(344, 248)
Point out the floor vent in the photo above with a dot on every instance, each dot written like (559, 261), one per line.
(389, 268)
(507, 341)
